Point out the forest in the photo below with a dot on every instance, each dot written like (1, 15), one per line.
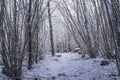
(59, 39)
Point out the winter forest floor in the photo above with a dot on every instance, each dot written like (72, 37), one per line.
(70, 66)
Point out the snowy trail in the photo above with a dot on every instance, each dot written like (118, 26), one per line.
(72, 67)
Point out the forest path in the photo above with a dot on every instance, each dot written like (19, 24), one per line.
(70, 66)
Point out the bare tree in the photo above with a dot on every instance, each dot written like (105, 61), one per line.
(21, 27)
(79, 25)
(30, 56)
(12, 52)
(51, 29)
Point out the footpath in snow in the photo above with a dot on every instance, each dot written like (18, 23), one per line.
(67, 66)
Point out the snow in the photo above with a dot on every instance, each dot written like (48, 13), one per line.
(70, 66)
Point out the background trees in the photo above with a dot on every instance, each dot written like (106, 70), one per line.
(91, 24)
(88, 23)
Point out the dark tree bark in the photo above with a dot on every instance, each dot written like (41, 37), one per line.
(51, 29)
(30, 56)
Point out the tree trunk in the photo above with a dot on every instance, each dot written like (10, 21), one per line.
(30, 56)
(51, 29)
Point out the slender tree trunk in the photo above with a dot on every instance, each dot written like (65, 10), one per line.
(69, 44)
(30, 37)
(51, 29)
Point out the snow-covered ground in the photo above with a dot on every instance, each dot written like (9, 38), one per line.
(70, 66)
